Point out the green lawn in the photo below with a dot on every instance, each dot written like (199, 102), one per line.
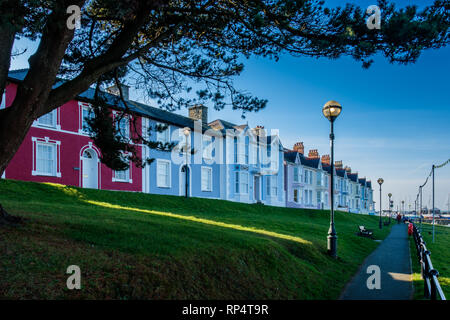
(440, 257)
(139, 246)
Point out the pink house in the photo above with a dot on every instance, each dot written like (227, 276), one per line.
(58, 149)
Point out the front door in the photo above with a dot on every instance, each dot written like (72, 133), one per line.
(90, 169)
(184, 180)
(256, 189)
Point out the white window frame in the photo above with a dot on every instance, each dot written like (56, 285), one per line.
(272, 186)
(169, 173)
(207, 146)
(241, 181)
(54, 125)
(56, 156)
(126, 118)
(296, 175)
(127, 175)
(164, 136)
(83, 122)
(209, 172)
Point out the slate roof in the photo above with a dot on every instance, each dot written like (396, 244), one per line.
(340, 173)
(137, 107)
(362, 181)
(115, 102)
(326, 167)
(353, 177)
(312, 163)
(369, 184)
(290, 156)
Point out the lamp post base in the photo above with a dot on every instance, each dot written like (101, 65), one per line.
(332, 245)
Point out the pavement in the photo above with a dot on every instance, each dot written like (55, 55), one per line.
(392, 257)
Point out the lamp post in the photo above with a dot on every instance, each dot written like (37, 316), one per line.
(186, 132)
(403, 207)
(331, 111)
(380, 182)
(390, 206)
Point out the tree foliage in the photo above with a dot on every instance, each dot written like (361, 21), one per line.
(166, 48)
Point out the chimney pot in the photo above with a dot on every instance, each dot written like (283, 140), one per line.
(199, 112)
(299, 147)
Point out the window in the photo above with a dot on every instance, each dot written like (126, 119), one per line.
(310, 196)
(122, 175)
(241, 185)
(162, 133)
(235, 142)
(319, 197)
(247, 149)
(295, 174)
(163, 173)
(86, 114)
(272, 186)
(123, 126)
(319, 178)
(295, 195)
(305, 198)
(206, 179)
(45, 159)
(208, 144)
(48, 120)
(269, 151)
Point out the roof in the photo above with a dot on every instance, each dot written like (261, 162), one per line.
(369, 184)
(115, 102)
(353, 177)
(362, 181)
(326, 167)
(309, 162)
(290, 156)
(340, 172)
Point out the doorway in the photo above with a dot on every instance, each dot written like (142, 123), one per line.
(90, 169)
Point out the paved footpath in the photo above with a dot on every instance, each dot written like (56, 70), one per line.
(393, 258)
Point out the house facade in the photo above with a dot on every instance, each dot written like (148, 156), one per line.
(308, 178)
(217, 159)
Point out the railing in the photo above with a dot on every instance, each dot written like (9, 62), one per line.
(432, 288)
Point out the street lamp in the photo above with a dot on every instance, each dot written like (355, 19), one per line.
(403, 207)
(331, 110)
(380, 182)
(186, 132)
(390, 206)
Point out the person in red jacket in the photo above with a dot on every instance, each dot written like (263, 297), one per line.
(399, 218)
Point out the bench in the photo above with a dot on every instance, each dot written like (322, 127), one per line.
(363, 232)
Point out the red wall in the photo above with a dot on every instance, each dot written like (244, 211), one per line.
(72, 143)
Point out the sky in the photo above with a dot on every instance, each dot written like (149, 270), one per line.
(394, 123)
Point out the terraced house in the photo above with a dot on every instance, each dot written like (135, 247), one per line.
(307, 183)
(215, 159)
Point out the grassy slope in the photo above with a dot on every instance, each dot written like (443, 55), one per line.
(129, 254)
(440, 257)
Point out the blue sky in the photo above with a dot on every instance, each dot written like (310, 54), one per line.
(394, 123)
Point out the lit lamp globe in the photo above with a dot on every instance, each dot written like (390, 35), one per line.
(380, 181)
(331, 110)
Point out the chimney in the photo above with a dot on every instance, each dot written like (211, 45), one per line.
(313, 154)
(299, 147)
(259, 131)
(348, 169)
(326, 159)
(338, 164)
(199, 112)
(115, 91)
